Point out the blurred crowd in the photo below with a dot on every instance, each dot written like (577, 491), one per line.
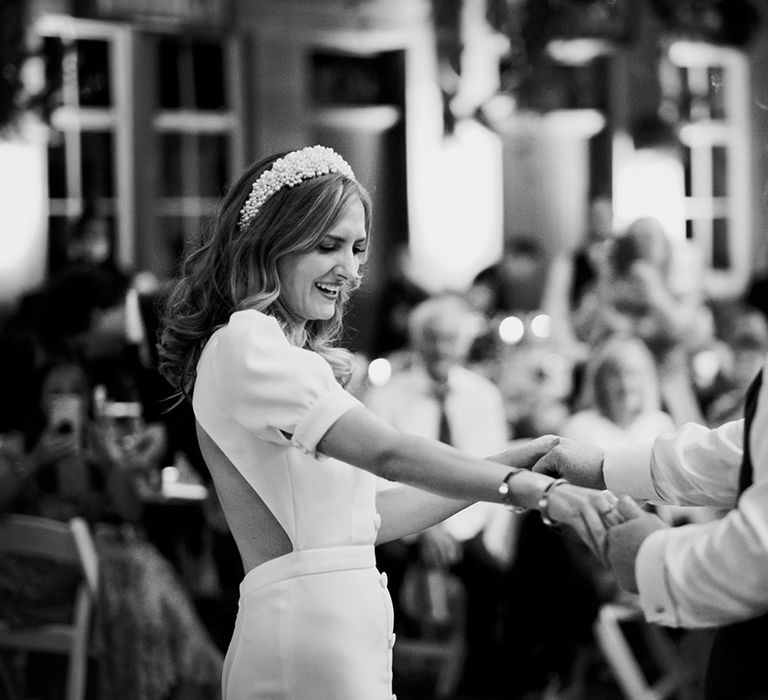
(622, 346)
(85, 431)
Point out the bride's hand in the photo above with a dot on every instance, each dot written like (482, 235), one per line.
(588, 511)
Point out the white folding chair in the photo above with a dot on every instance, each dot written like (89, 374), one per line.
(675, 675)
(68, 543)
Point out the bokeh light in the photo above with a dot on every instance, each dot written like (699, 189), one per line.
(379, 371)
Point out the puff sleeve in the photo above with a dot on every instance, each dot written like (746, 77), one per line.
(273, 388)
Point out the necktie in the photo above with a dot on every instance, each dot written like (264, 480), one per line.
(444, 430)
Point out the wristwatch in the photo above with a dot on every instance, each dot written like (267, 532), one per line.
(505, 492)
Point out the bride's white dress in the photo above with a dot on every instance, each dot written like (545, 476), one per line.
(317, 623)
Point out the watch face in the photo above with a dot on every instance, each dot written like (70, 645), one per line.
(504, 492)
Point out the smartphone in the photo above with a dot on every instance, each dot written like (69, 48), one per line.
(123, 422)
(65, 416)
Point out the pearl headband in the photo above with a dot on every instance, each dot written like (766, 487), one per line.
(288, 171)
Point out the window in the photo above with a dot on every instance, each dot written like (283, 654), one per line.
(197, 137)
(706, 93)
(88, 163)
(146, 134)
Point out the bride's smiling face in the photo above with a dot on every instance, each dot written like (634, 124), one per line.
(311, 283)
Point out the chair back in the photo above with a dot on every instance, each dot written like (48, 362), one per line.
(436, 600)
(65, 543)
(652, 644)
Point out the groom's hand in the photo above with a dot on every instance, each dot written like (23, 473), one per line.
(579, 462)
(623, 541)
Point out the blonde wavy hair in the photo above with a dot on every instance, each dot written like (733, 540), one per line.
(617, 350)
(232, 269)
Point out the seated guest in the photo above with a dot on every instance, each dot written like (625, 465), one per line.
(621, 406)
(151, 642)
(620, 401)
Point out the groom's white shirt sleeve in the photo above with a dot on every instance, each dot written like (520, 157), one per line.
(709, 574)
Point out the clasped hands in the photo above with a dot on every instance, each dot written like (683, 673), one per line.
(613, 527)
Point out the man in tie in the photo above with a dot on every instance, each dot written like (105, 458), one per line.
(710, 575)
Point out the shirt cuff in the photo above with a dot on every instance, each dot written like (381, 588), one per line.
(628, 470)
(651, 575)
(321, 416)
